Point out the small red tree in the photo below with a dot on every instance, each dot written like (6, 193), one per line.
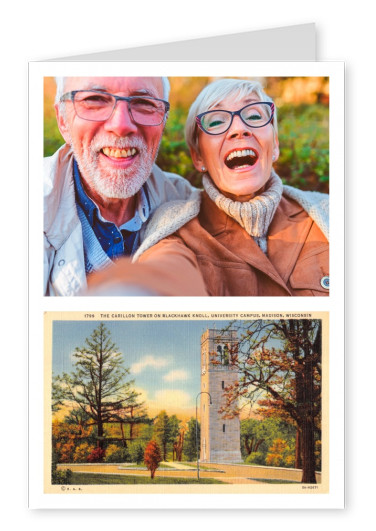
(97, 455)
(152, 457)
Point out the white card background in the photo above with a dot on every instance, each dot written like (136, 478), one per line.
(38, 30)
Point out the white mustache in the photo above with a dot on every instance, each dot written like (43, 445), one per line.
(102, 141)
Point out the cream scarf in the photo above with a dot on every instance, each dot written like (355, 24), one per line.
(255, 215)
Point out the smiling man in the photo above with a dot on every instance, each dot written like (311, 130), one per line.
(102, 186)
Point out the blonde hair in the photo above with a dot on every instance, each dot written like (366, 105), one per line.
(216, 92)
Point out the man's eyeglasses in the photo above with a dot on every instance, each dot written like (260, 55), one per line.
(253, 115)
(98, 106)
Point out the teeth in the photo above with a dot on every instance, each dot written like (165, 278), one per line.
(241, 153)
(119, 153)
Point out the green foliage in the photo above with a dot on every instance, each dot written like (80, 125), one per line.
(256, 458)
(117, 454)
(165, 431)
(304, 146)
(52, 137)
(174, 155)
(190, 448)
(62, 477)
(136, 452)
(303, 141)
(59, 477)
(257, 438)
(146, 432)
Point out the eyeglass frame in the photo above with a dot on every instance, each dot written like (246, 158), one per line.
(71, 95)
(236, 113)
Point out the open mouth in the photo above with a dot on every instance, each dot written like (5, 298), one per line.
(241, 158)
(116, 153)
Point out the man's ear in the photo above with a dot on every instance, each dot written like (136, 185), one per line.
(197, 160)
(62, 125)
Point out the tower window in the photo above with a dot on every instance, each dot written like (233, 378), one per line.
(223, 384)
(224, 428)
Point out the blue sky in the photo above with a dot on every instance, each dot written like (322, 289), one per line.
(163, 356)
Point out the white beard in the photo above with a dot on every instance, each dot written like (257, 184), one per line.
(115, 183)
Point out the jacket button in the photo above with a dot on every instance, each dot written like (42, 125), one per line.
(117, 240)
(325, 282)
(61, 262)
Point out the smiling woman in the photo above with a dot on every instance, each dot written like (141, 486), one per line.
(248, 234)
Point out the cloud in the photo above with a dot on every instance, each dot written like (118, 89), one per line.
(176, 375)
(143, 394)
(171, 399)
(146, 362)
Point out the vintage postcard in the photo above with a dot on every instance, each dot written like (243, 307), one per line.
(186, 403)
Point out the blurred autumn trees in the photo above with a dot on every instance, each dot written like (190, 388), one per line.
(303, 125)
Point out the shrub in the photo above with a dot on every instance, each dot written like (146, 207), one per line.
(279, 454)
(65, 451)
(97, 455)
(255, 458)
(152, 457)
(61, 477)
(116, 454)
(82, 452)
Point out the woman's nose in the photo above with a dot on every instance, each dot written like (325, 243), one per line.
(238, 128)
(120, 121)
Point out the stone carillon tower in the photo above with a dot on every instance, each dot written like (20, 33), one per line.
(220, 438)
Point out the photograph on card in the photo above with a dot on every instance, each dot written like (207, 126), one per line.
(186, 186)
(186, 403)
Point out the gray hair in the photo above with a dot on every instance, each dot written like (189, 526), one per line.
(216, 92)
(60, 84)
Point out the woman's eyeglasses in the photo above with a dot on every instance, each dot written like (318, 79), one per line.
(254, 115)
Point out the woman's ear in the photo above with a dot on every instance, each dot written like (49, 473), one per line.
(62, 124)
(197, 160)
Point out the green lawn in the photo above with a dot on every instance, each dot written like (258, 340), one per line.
(81, 478)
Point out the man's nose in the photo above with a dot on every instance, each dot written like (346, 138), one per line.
(120, 121)
(238, 128)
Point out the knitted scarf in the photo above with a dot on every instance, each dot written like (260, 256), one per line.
(255, 215)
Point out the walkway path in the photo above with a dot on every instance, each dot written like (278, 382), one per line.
(234, 474)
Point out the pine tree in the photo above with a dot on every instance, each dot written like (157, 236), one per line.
(99, 385)
(190, 443)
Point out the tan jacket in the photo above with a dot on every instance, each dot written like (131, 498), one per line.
(213, 255)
